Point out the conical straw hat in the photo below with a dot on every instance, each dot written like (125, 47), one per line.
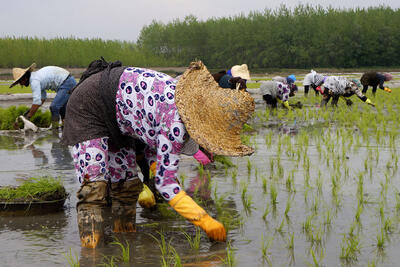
(18, 73)
(213, 116)
(241, 71)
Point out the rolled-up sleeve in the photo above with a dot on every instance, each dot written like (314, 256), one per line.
(37, 94)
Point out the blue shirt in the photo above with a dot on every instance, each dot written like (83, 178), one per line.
(47, 78)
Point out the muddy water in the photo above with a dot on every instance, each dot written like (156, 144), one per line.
(45, 240)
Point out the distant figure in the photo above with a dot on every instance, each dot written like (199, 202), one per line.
(374, 79)
(335, 87)
(235, 78)
(47, 78)
(274, 92)
(287, 80)
(314, 80)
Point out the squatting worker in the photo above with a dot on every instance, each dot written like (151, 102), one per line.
(235, 78)
(120, 103)
(47, 78)
(375, 79)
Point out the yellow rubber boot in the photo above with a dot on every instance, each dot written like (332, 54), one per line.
(185, 206)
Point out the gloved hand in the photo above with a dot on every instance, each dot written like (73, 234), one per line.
(369, 102)
(146, 198)
(185, 206)
(201, 157)
(319, 89)
(386, 89)
(286, 105)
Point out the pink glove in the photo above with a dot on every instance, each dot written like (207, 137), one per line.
(201, 157)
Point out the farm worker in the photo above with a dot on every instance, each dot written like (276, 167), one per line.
(274, 92)
(47, 78)
(234, 78)
(114, 106)
(336, 86)
(374, 79)
(287, 80)
(314, 80)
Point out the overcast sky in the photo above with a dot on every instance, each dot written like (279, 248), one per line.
(123, 19)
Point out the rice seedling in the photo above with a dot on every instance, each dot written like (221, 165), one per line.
(109, 261)
(350, 248)
(318, 183)
(249, 166)
(200, 168)
(264, 183)
(125, 251)
(175, 259)
(315, 205)
(281, 225)
(308, 225)
(266, 212)
(289, 182)
(230, 259)
(268, 140)
(273, 194)
(194, 242)
(317, 262)
(328, 218)
(182, 178)
(271, 165)
(381, 239)
(33, 189)
(388, 225)
(265, 246)
(73, 260)
(247, 199)
(164, 247)
(358, 212)
(290, 242)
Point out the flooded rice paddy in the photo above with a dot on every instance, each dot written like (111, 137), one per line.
(322, 189)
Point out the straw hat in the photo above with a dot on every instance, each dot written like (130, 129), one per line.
(18, 73)
(241, 71)
(213, 116)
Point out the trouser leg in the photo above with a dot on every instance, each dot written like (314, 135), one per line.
(374, 90)
(315, 89)
(270, 100)
(124, 196)
(365, 88)
(306, 89)
(91, 202)
(325, 100)
(91, 165)
(125, 189)
(335, 100)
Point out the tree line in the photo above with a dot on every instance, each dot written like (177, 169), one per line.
(301, 37)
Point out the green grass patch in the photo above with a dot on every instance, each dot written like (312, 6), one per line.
(6, 90)
(34, 189)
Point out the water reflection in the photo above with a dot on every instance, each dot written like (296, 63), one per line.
(60, 153)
